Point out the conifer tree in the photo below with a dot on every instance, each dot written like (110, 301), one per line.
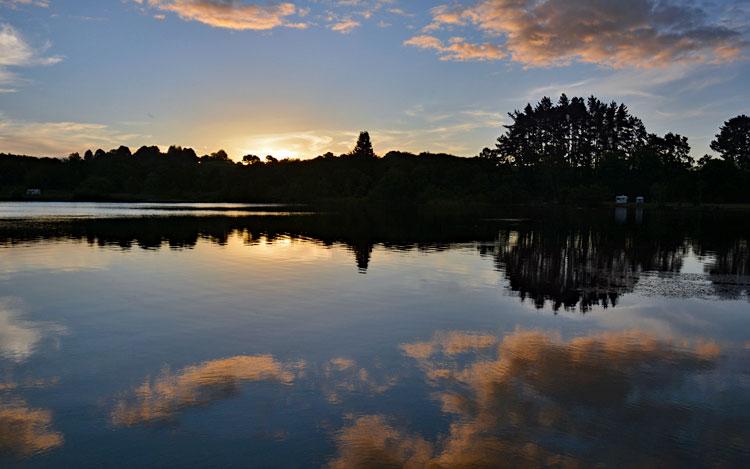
(363, 149)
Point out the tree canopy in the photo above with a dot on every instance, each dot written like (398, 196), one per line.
(581, 133)
(733, 141)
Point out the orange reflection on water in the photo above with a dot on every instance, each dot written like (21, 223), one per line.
(200, 384)
(449, 343)
(25, 431)
(535, 391)
(344, 376)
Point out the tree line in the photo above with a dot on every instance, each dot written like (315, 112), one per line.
(577, 151)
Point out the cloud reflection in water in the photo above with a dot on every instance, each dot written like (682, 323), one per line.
(539, 400)
(25, 431)
(196, 385)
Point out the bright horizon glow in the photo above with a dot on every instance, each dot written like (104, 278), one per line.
(301, 78)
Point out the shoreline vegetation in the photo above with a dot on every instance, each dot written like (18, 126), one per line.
(577, 151)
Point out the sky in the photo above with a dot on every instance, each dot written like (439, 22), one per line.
(300, 78)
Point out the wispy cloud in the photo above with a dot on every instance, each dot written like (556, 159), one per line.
(345, 26)
(419, 129)
(457, 48)
(58, 138)
(16, 52)
(16, 3)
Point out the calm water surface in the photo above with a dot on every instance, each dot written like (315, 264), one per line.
(228, 336)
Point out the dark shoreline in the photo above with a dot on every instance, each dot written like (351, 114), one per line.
(346, 204)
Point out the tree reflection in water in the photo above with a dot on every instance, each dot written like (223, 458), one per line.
(571, 260)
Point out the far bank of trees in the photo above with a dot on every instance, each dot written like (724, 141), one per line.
(583, 146)
(576, 151)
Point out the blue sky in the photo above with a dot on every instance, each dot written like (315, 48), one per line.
(301, 78)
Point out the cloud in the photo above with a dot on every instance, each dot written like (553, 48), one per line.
(457, 48)
(16, 52)
(230, 14)
(344, 16)
(341, 363)
(15, 3)
(58, 138)
(291, 144)
(641, 33)
(198, 385)
(345, 26)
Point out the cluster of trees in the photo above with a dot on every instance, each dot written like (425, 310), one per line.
(573, 151)
(575, 140)
(179, 174)
(584, 134)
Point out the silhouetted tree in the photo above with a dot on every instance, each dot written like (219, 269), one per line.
(574, 150)
(147, 152)
(122, 151)
(220, 155)
(251, 159)
(488, 154)
(571, 133)
(363, 148)
(733, 141)
(672, 149)
(182, 155)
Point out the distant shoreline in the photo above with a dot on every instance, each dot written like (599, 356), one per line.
(347, 204)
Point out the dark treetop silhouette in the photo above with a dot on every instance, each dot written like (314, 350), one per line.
(578, 151)
(733, 141)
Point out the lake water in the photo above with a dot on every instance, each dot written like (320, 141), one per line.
(259, 336)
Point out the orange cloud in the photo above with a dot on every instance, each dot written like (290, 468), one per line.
(639, 33)
(457, 48)
(345, 26)
(230, 14)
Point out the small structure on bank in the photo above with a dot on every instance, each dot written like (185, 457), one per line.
(621, 199)
(33, 192)
(640, 200)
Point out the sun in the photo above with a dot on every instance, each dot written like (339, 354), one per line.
(264, 149)
(276, 152)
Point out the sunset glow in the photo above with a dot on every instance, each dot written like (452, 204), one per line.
(374, 233)
(300, 78)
